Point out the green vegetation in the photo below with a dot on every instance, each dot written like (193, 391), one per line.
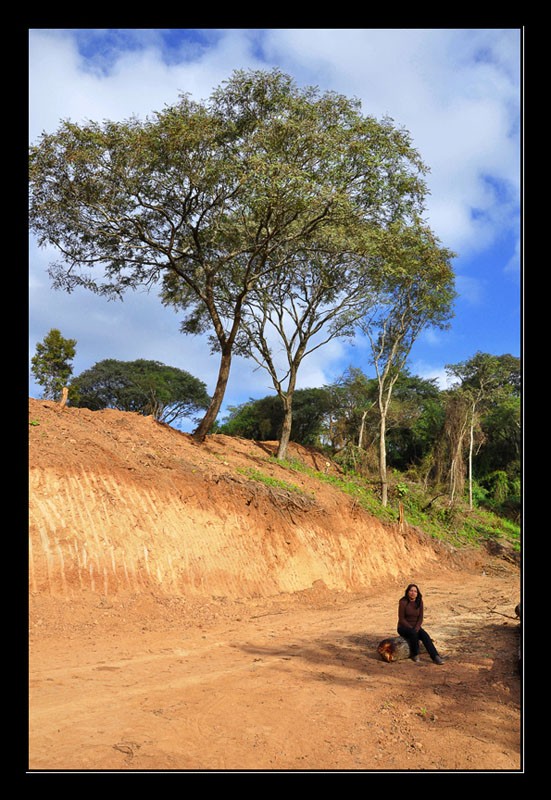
(268, 480)
(51, 365)
(266, 197)
(457, 524)
(278, 213)
(146, 387)
(444, 448)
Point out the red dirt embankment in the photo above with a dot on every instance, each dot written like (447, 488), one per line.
(184, 616)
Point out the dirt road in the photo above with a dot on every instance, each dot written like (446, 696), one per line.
(286, 683)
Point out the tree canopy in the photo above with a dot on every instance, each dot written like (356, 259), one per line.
(146, 387)
(263, 419)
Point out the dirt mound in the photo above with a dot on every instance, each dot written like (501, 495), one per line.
(119, 502)
(186, 616)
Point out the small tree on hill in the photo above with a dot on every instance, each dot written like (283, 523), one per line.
(483, 381)
(51, 365)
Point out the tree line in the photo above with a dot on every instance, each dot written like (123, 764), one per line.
(146, 387)
(465, 436)
(464, 440)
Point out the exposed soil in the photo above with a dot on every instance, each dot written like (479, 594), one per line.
(186, 617)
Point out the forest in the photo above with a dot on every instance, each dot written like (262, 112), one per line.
(438, 438)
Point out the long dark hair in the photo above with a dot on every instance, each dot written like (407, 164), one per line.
(419, 597)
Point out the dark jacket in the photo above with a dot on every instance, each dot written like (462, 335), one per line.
(409, 616)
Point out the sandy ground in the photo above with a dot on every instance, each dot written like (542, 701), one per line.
(185, 618)
(293, 683)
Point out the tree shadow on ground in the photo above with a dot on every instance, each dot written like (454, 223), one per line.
(488, 651)
(477, 687)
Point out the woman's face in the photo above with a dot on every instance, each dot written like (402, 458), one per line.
(412, 593)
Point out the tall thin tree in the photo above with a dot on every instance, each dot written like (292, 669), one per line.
(416, 291)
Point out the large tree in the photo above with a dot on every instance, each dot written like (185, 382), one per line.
(51, 364)
(416, 291)
(204, 199)
(148, 387)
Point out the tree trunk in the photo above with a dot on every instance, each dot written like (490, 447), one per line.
(200, 433)
(382, 461)
(471, 445)
(393, 649)
(362, 428)
(287, 400)
(286, 427)
(457, 482)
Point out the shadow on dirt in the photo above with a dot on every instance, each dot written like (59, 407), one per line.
(472, 643)
(478, 682)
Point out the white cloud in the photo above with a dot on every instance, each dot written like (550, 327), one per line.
(470, 289)
(455, 91)
(431, 372)
(63, 84)
(432, 337)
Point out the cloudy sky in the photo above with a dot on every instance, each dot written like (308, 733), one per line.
(457, 92)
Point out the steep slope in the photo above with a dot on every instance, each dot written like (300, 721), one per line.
(120, 503)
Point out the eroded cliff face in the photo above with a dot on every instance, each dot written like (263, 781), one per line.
(119, 503)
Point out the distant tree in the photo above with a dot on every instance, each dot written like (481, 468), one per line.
(310, 410)
(354, 396)
(414, 417)
(51, 365)
(448, 466)
(501, 424)
(147, 387)
(258, 419)
(263, 419)
(483, 381)
(416, 420)
(205, 199)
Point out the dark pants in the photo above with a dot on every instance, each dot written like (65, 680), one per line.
(413, 638)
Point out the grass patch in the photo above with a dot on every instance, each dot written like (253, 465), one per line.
(350, 484)
(458, 524)
(269, 480)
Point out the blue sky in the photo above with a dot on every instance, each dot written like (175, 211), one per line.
(457, 92)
